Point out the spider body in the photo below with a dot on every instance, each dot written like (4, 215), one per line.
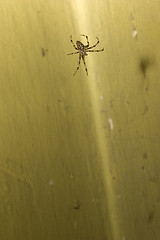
(82, 50)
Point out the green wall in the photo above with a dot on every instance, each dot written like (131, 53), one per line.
(79, 155)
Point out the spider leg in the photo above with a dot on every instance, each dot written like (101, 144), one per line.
(73, 43)
(95, 50)
(86, 40)
(78, 64)
(94, 44)
(85, 65)
(72, 53)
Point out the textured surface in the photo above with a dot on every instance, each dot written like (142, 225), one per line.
(79, 156)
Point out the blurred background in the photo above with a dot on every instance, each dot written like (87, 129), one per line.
(79, 155)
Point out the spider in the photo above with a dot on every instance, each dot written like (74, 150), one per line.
(82, 50)
(77, 205)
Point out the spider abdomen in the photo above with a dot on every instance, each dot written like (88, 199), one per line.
(80, 45)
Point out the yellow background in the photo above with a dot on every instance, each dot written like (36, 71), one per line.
(79, 156)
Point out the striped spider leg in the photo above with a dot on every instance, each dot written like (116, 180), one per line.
(82, 50)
